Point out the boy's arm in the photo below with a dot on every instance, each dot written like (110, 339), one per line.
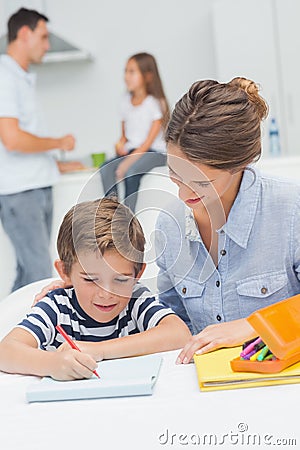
(19, 353)
(170, 334)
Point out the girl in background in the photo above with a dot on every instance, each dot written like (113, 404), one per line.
(144, 113)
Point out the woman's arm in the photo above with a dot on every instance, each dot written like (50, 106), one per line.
(170, 334)
(56, 284)
(168, 295)
(19, 353)
(227, 334)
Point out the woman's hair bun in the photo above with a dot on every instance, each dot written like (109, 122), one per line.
(252, 90)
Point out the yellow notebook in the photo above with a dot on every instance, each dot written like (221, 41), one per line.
(214, 372)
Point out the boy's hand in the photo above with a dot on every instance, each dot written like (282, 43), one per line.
(227, 334)
(89, 348)
(72, 365)
(56, 284)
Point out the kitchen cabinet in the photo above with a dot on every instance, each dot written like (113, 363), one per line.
(260, 40)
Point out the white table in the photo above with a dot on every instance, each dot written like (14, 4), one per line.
(177, 412)
(177, 407)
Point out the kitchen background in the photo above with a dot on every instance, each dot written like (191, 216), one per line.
(191, 40)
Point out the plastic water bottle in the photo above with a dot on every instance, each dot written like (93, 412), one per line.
(274, 138)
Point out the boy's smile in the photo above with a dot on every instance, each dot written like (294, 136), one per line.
(103, 284)
(105, 308)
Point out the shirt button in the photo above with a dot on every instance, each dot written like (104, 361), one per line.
(217, 283)
(223, 252)
(219, 318)
(222, 231)
(183, 290)
(264, 290)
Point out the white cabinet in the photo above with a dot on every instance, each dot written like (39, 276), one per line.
(260, 40)
(288, 13)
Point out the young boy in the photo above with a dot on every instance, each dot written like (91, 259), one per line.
(101, 248)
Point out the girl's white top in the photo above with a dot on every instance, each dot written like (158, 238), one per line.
(138, 121)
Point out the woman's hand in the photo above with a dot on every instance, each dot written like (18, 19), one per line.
(72, 365)
(56, 284)
(227, 334)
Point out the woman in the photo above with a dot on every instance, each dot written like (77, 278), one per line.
(232, 246)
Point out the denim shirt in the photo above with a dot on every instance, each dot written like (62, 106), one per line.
(259, 254)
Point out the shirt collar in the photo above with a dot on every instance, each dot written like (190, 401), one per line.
(191, 228)
(12, 65)
(242, 214)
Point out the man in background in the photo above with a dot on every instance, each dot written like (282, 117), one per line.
(27, 167)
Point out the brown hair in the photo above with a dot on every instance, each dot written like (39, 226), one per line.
(218, 124)
(100, 225)
(22, 17)
(148, 67)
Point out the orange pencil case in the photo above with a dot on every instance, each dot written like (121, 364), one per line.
(278, 326)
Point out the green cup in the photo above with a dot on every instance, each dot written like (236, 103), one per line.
(98, 159)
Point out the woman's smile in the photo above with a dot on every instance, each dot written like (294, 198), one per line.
(194, 201)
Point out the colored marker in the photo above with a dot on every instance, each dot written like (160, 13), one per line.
(269, 357)
(259, 346)
(255, 356)
(245, 344)
(250, 347)
(263, 353)
(72, 343)
(248, 356)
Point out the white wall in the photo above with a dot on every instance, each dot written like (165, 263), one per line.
(83, 97)
(260, 40)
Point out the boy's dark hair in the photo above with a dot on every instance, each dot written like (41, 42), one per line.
(100, 225)
(22, 17)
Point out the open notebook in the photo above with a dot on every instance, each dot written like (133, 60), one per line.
(118, 378)
(214, 372)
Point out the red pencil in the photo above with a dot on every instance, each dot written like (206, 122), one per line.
(72, 343)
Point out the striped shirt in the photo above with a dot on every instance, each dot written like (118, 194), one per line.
(61, 306)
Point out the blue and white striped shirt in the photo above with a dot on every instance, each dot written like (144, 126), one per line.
(61, 306)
